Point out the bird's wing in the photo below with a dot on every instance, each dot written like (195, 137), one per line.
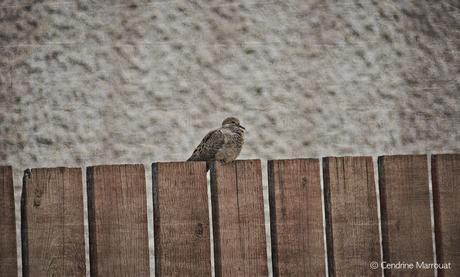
(209, 146)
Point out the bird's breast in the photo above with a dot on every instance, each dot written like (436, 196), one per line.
(232, 146)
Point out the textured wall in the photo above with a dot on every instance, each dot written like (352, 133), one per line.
(89, 82)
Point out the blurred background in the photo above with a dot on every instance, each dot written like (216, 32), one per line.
(91, 82)
(99, 82)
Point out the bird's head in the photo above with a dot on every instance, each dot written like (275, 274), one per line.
(232, 121)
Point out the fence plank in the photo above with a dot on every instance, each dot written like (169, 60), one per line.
(8, 255)
(238, 219)
(117, 213)
(181, 219)
(406, 216)
(446, 197)
(352, 226)
(296, 217)
(52, 222)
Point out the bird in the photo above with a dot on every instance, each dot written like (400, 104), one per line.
(223, 144)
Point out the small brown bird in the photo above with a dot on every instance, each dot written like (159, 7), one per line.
(223, 144)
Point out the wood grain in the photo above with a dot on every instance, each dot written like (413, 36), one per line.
(446, 197)
(8, 253)
(352, 226)
(406, 216)
(52, 222)
(238, 219)
(181, 219)
(117, 213)
(296, 217)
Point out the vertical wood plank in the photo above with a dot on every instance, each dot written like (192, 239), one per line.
(446, 197)
(181, 219)
(296, 217)
(406, 216)
(8, 255)
(117, 213)
(52, 222)
(352, 227)
(238, 219)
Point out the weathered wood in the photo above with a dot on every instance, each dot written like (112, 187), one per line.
(181, 219)
(446, 198)
(52, 222)
(117, 213)
(238, 219)
(406, 216)
(296, 217)
(352, 226)
(8, 255)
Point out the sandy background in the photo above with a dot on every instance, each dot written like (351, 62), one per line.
(97, 82)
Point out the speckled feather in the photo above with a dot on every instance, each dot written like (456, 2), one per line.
(209, 146)
(223, 144)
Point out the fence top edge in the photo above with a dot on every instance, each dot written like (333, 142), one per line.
(114, 165)
(51, 168)
(247, 160)
(176, 162)
(185, 162)
(379, 157)
(347, 157)
(402, 156)
(445, 155)
(294, 159)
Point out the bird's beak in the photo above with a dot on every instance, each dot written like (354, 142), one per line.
(242, 127)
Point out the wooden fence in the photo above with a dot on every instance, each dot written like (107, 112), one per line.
(52, 229)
